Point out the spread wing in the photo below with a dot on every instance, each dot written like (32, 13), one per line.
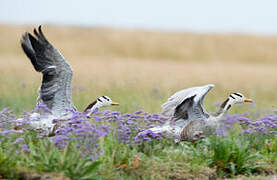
(55, 90)
(187, 103)
(182, 110)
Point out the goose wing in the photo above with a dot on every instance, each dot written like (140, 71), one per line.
(55, 90)
(187, 103)
(182, 110)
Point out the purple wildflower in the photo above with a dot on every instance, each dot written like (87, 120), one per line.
(18, 140)
(139, 112)
(247, 131)
(147, 135)
(24, 148)
(221, 131)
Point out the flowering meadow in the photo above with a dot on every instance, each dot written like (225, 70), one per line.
(106, 145)
(140, 70)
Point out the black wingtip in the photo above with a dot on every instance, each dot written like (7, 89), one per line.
(35, 32)
(33, 46)
(41, 35)
(38, 33)
(39, 28)
(27, 42)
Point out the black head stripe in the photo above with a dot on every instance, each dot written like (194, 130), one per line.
(90, 106)
(99, 99)
(232, 96)
(224, 103)
(229, 106)
(105, 98)
(238, 94)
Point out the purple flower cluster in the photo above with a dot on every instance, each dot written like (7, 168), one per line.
(227, 123)
(7, 121)
(146, 135)
(6, 117)
(75, 128)
(266, 124)
(83, 130)
(126, 127)
(86, 131)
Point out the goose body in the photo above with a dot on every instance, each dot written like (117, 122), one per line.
(56, 90)
(188, 118)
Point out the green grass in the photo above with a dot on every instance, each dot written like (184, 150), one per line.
(43, 156)
(212, 157)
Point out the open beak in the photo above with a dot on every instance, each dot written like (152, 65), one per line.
(248, 100)
(114, 103)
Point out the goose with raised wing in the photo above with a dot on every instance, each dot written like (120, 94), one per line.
(188, 118)
(55, 91)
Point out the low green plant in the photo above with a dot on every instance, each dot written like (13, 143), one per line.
(44, 156)
(8, 164)
(232, 156)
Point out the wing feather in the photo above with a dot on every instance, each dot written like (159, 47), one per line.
(55, 90)
(196, 108)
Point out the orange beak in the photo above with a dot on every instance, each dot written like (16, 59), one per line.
(248, 100)
(115, 103)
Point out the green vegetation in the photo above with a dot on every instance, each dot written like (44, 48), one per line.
(212, 157)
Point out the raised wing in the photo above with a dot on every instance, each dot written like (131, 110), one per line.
(179, 103)
(182, 110)
(55, 90)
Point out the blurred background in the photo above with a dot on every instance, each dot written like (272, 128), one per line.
(141, 52)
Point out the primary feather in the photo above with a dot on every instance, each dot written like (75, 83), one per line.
(55, 90)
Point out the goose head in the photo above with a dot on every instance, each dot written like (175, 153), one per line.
(234, 98)
(100, 102)
(237, 98)
(105, 101)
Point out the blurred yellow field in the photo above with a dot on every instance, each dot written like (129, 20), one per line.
(141, 69)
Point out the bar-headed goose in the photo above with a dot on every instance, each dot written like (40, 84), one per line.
(189, 119)
(55, 91)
